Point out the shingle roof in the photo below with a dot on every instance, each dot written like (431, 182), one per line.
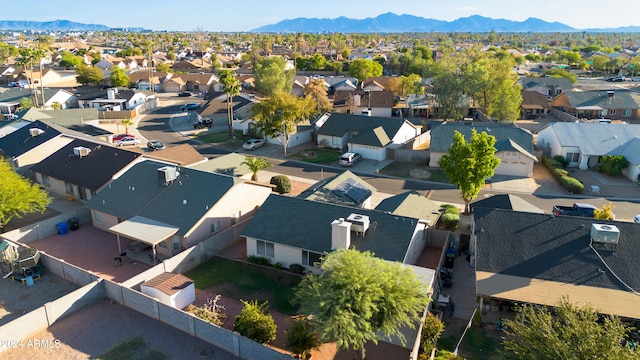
(550, 82)
(323, 190)
(411, 204)
(378, 98)
(21, 141)
(595, 138)
(91, 171)
(621, 99)
(339, 124)
(182, 203)
(229, 164)
(507, 202)
(441, 136)
(306, 225)
(168, 283)
(554, 248)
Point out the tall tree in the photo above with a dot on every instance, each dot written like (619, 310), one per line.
(231, 87)
(317, 92)
(506, 104)
(566, 332)
(270, 76)
(357, 297)
(255, 164)
(118, 77)
(18, 196)
(447, 86)
(468, 164)
(89, 74)
(278, 115)
(363, 68)
(126, 122)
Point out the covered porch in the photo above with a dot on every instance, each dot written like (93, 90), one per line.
(146, 235)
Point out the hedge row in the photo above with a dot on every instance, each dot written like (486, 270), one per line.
(571, 184)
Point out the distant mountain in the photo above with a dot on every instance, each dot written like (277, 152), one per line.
(57, 25)
(392, 23)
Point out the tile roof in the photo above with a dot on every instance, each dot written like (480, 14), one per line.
(91, 171)
(323, 190)
(554, 248)
(441, 136)
(306, 225)
(168, 283)
(20, 141)
(181, 203)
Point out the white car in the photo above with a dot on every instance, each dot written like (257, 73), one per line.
(127, 140)
(253, 144)
(636, 219)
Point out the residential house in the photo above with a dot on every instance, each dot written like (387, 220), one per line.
(345, 188)
(506, 202)
(539, 258)
(534, 105)
(140, 79)
(46, 76)
(378, 83)
(216, 108)
(371, 103)
(583, 144)
(10, 98)
(81, 168)
(172, 208)
(411, 204)
(337, 84)
(181, 155)
(112, 99)
(31, 144)
(620, 104)
(514, 146)
(547, 86)
(107, 62)
(228, 164)
(192, 65)
(370, 136)
(197, 82)
(8, 74)
(85, 121)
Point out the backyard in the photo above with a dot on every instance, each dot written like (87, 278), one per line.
(478, 343)
(240, 280)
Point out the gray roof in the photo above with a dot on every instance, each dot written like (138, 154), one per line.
(182, 203)
(362, 127)
(324, 190)
(64, 117)
(306, 225)
(229, 164)
(621, 99)
(598, 138)
(554, 248)
(412, 204)
(549, 82)
(15, 94)
(442, 136)
(507, 202)
(20, 141)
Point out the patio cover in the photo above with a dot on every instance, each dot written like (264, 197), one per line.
(140, 228)
(590, 107)
(532, 107)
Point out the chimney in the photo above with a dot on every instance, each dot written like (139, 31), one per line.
(111, 94)
(340, 234)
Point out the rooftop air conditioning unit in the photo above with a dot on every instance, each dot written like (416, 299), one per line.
(36, 131)
(359, 223)
(167, 174)
(605, 234)
(81, 151)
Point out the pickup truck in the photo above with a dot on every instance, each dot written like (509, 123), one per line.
(578, 209)
(202, 123)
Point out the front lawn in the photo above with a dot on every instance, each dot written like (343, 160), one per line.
(222, 138)
(239, 280)
(317, 156)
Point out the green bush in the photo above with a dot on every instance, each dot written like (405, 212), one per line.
(282, 183)
(255, 322)
(551, 163)
(572, 185)
(450, 221)
(613, 165)
(561, 160)
(258, 260)
(296, 269)
(450, 209)
(431, 331)
(558, 172)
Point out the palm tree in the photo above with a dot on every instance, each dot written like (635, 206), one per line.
(255, 164)
(126, 123)
(230, 86)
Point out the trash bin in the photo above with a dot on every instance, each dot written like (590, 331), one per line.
(63, 228)
(74, 224)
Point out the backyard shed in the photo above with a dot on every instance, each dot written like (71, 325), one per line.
(171, 289)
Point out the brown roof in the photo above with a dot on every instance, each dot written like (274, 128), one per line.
(534, 100)
(183, 155)
(168, 283)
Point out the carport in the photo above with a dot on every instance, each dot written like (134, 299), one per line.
(144, 230)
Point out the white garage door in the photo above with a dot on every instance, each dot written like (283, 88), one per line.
(512, 168)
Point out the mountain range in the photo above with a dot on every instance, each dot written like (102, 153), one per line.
(392, 23)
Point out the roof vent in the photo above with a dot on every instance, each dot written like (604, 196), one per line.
(81, 151)
(605, 236)
(36, 131)
(611, 93)
(167, 174)
(359, 223)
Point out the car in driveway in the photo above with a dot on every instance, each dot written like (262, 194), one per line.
(616, 79)
(349, 159)
(155, 145)
(185, 94)
(253, 144)
(127, 141)
(189, 106)
(121, 136)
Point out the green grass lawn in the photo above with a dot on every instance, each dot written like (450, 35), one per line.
(134, 349)
(246, 281)
(476, 345)
(323, 156)
(222, 138)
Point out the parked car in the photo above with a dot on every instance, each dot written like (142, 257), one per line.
(121, 136)
(637, 78)
(349, 159)
(636, 219)
(189, 106)
(10, 116)
(578, 209)
(253, 144)
(202, 123)
(155, 145)
(185, 94)
(616, 79)
(127, 141)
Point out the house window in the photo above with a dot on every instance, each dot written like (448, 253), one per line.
(336, 141)
(69, 188)
(612, 111)
(215, 227)
(97, 217)
(45, 180)
(163, 244)
(572, 157)
(175, 240)
(265, 248)
(511, 154)
(626, 112)
(82, 193)
(310, 258)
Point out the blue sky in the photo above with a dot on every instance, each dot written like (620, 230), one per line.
(245, 15)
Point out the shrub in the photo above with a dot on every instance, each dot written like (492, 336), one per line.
(282, 183)
(296, 269)
(572, 185)
(302, 339)
(450, 209)
(561, 160)
(613, 165)
(210, 311)
(277, 265)
(558, 172)
(431, 331)
(255, 322)
(477, 318)
(450, 221)
(259, 260)
(551, 163)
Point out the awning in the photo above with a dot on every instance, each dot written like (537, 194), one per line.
(145, 230)
(532, 107)
(591, 107)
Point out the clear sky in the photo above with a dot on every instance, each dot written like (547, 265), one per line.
(245, 15)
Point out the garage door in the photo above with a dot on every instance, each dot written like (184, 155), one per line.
(512, 168)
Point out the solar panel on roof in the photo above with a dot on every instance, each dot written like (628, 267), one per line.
(358, 193)
(344, 186)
